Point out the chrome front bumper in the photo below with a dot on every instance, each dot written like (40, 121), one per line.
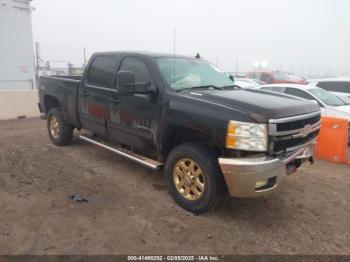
(242, 174)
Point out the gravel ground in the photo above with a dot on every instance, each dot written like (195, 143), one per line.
(131, 212)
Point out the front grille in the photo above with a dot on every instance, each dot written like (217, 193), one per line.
(290, 133)
(297, 124)
(284, 145)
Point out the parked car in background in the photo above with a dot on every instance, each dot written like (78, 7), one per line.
(244, 82)
(247, 82)
(275, 77)
(338, 86)
(330, 104)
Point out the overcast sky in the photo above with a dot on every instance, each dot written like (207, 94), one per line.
(309, 36)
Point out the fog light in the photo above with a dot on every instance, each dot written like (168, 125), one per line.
(261, 183)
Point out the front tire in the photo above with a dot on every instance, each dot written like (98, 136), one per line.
(60, 132)
(194, 177)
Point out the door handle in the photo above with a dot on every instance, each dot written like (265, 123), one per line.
(114, 101)
(84, 93)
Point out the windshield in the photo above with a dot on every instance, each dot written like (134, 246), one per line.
(327, 97)
(187, 73)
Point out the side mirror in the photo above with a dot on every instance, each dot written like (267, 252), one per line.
(125, 83)
(127, 86)
(232, 78)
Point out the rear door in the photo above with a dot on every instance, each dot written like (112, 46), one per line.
(95, 92)
(133, 119)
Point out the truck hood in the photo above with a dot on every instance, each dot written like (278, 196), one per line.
(259, 104)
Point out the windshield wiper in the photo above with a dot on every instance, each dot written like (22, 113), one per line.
(199, 87)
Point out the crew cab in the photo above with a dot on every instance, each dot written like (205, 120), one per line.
(183, 115)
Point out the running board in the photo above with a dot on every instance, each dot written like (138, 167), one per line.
(126, 153)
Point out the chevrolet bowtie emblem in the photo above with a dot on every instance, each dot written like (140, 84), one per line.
(305, 131)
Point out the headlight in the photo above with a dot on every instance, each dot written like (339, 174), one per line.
(246, 136)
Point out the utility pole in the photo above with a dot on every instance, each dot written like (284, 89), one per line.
(37, 58)
(301, 71)
(236, 67)
(70, 69)
(84, 54)
(310, 72)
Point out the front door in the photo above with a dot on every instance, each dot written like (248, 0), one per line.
(95, 92)
(133, 118)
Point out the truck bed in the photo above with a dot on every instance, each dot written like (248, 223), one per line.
(64, 89)
(68, 77)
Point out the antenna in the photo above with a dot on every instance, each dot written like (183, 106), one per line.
(174, 52)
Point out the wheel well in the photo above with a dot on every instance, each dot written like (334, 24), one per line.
(50, 102)
(175, 136)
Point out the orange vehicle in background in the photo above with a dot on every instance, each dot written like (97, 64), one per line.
(276, 77)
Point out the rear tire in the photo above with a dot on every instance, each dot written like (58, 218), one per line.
(60, 132)
(194, 177)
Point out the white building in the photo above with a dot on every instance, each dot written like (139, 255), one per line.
(17, 69)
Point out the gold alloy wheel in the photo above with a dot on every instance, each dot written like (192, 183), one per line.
(54, 127)
(189, 179)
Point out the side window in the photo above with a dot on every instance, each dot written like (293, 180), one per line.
(138, 67)
(266, 78)
(325, 85)
(335, 86)
(299, 93)
(278, 89)
(102, 70)
(347, 87)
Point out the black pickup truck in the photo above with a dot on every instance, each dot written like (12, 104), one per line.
(184, 115)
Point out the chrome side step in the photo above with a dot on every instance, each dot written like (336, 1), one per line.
(153, 164)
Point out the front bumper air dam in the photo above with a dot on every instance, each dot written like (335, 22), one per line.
(242, 174)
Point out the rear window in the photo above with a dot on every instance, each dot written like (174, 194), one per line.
(102, 71)
(279, 89)
(335, 86)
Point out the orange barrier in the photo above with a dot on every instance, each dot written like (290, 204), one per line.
(332, 144)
